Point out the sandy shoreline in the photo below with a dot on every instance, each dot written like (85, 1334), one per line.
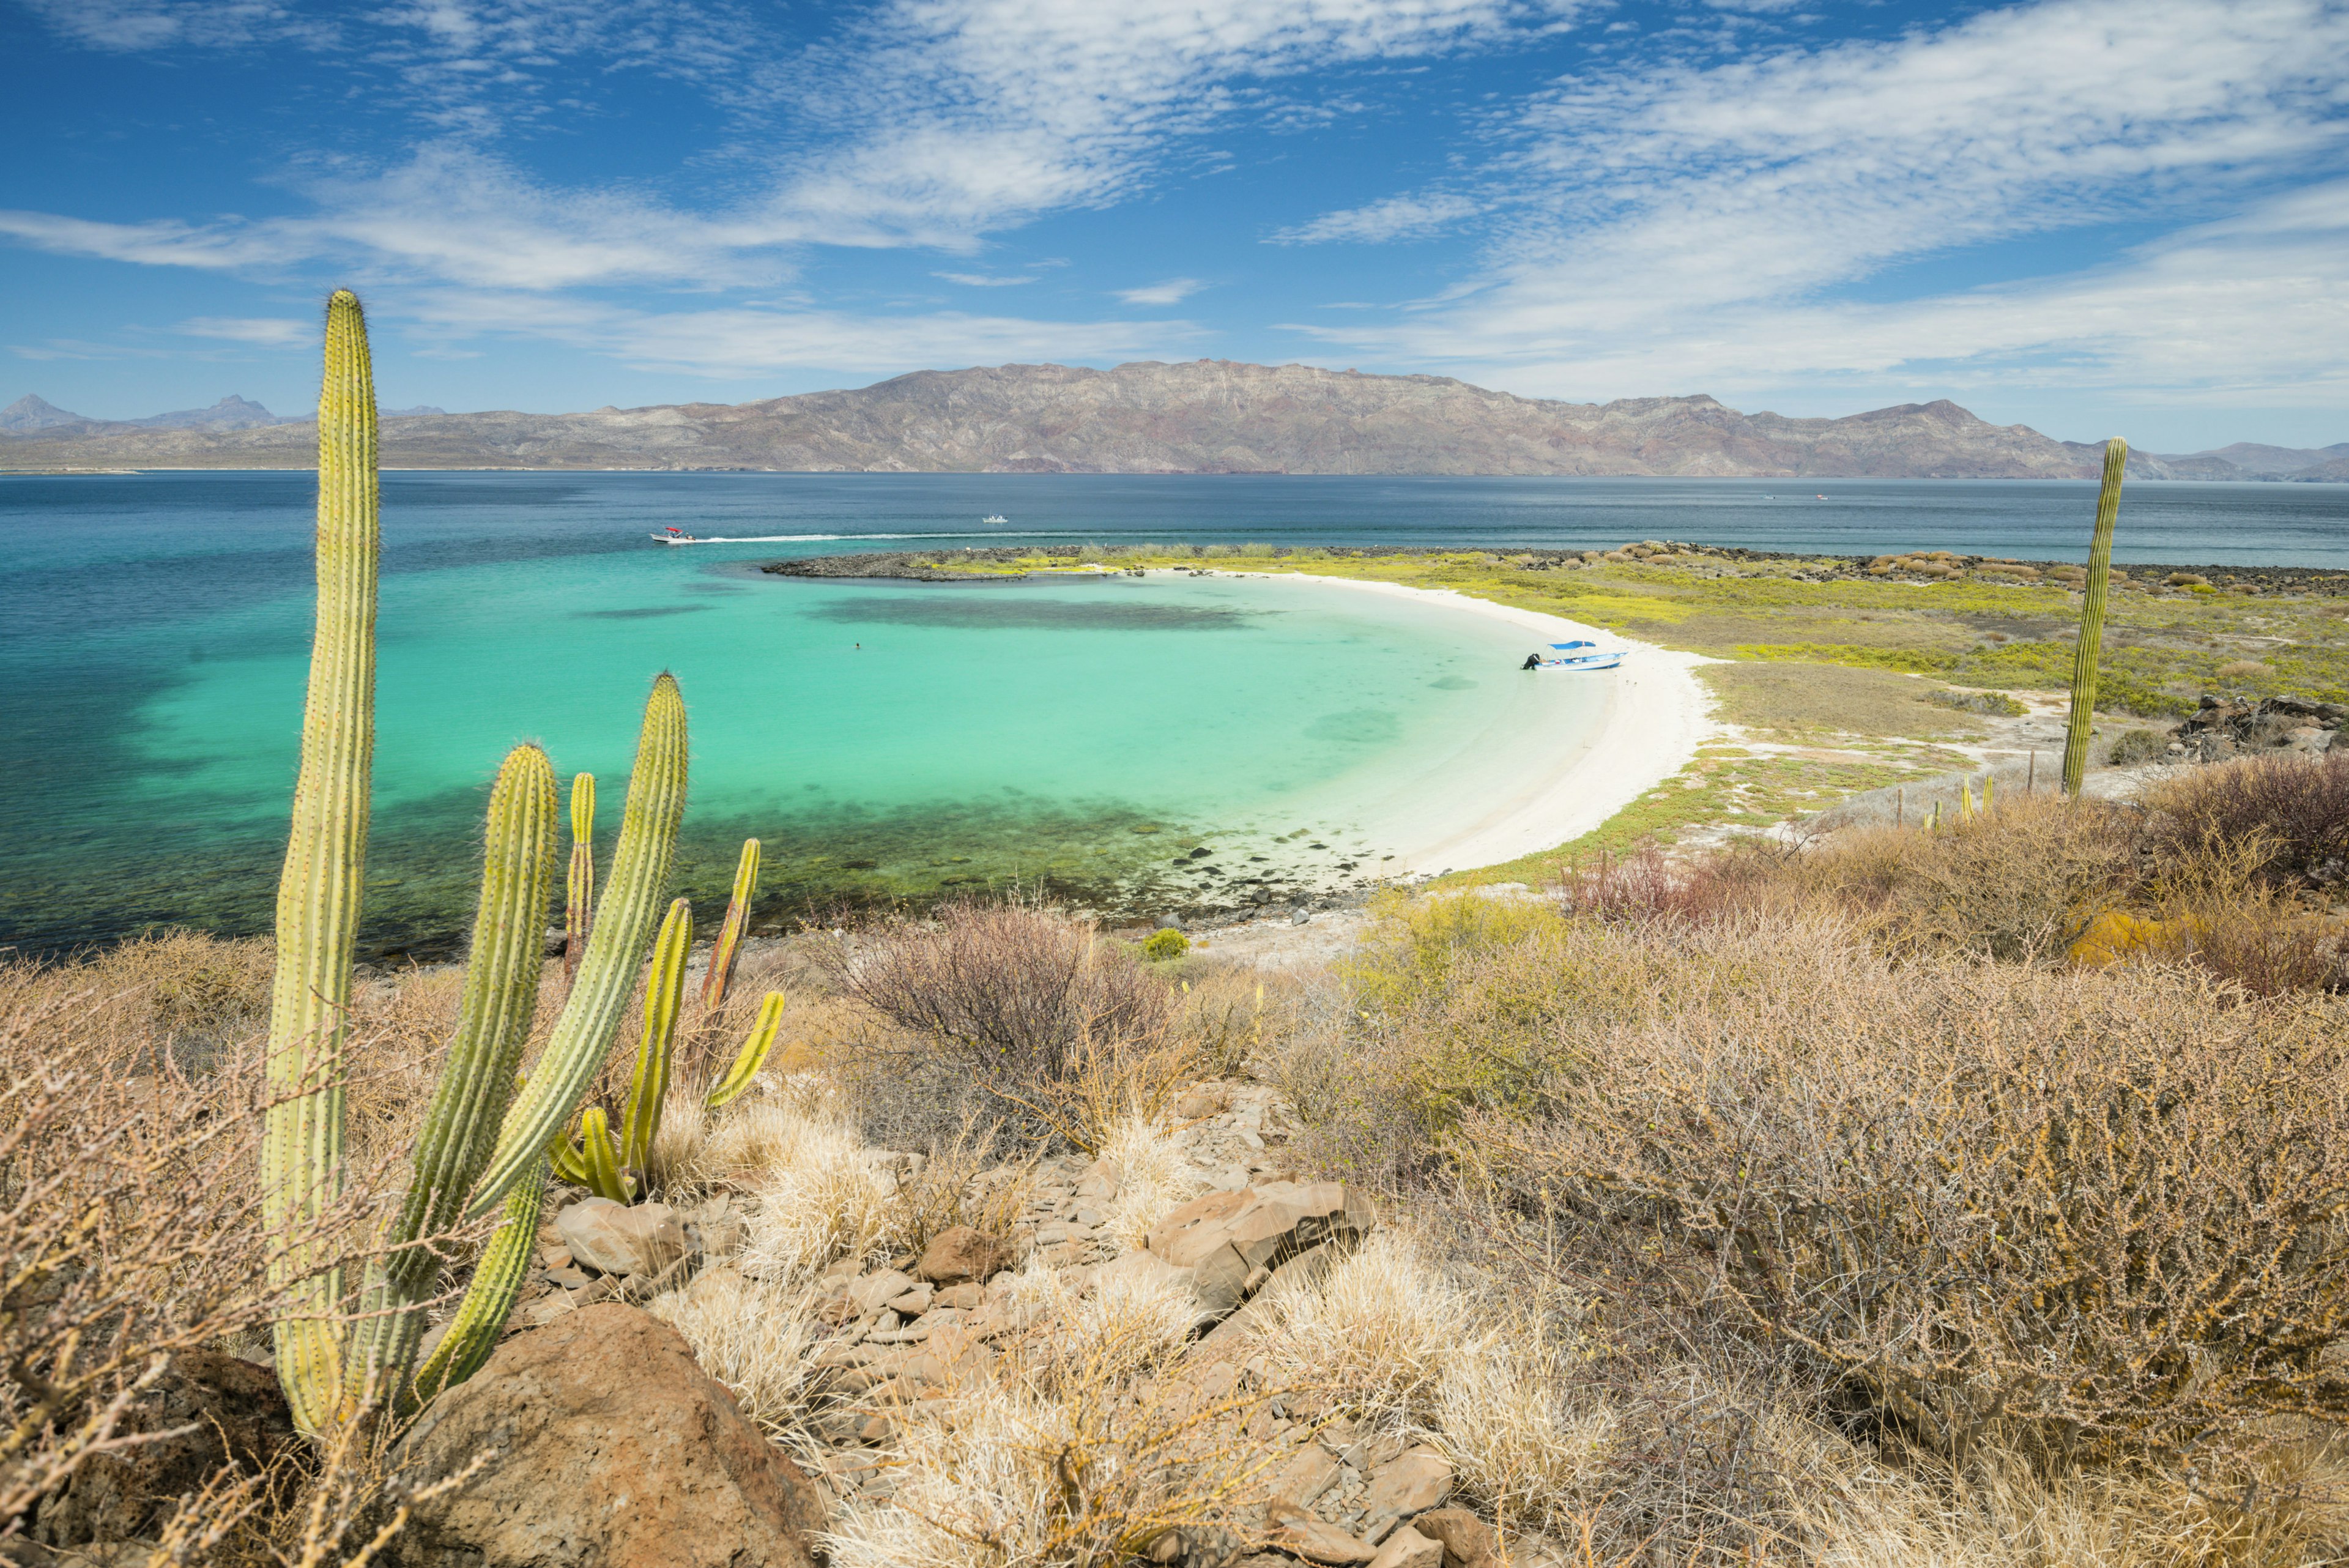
(1555, 782)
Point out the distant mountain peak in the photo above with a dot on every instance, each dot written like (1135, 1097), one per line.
(231, 413)
(32, 412)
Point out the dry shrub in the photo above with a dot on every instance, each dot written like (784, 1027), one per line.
(2070, 1215)
(752, 1335)
(1228, 1011)
(1155, 1177)
(1014, 992)
(2298, 806)
(1513, 1414)
(2021, 882)
(198, 988)
(820, 1194)
(1086, 1447)
(961, 1180)
(1377, 1333)
(130, 1219)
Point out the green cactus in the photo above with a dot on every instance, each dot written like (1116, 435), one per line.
(2092, 618)
(664, 999)
(476, 1151)
(579, 906)
(326, 868)
(730, 935)
(753, 1055)
(478, 1077)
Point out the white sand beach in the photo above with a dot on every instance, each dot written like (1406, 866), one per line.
(1582, 747)
(1550, 784)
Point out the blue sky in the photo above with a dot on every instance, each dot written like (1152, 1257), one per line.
(2091, 216)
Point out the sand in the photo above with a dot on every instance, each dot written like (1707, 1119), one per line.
(1562, 771)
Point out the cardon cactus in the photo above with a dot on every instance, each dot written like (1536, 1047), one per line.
(476, 1151)
(2092, 618)
(723, 951)
(579, 906)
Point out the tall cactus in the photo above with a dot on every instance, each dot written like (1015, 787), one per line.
(579, 906)
(2092, 618)
(723, 951)
(470, 1125)
(318, 894)
(477, 1078)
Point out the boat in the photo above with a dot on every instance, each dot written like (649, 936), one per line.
(1582, 654)
(995, 517)
(675, 535)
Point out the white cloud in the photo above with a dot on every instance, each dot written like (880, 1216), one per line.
(1705, 228)
(980, 280)
(268, 332)
(1172, 291)
(1381, 222)
(743, 341)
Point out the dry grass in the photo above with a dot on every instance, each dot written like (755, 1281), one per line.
(1377, 1334)
(1154, 1177)
(1809, 701)
(752, 1335)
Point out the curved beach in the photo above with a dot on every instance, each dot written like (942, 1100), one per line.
(1587, 747)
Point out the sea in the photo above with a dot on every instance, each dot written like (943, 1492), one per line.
(890, 744)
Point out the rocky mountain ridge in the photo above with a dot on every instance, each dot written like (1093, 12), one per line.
(1199, 417)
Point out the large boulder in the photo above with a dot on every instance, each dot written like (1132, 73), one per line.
(606, 1447)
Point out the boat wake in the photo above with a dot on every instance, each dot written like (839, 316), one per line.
(819, 539)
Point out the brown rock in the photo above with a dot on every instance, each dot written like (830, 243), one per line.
(1468, 1541)
(236, 1411)
(619, 1239)
(1408, 1484)
(959, 1255)
(1298, 1533)
(1407, 1548)
(607, 1446)
(1231, 1241)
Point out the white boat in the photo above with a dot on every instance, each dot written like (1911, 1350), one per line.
(1579, 655)
(675, 535)
(996, 517)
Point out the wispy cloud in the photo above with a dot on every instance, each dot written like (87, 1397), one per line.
(1172, 291)
(268, 332)
(1382, 223)
(1690, 226)
(981, 280)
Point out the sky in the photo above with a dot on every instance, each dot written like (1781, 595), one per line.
(2095, 217)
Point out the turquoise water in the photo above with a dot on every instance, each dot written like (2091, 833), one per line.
(153, 630)
(886, 740)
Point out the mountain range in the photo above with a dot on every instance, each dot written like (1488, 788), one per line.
(1198, 416)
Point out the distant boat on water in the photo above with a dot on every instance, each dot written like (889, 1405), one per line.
(673, 534)
(1579, 655)
(995, 517)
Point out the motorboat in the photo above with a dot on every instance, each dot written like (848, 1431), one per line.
(675, 535)
(1581, 654)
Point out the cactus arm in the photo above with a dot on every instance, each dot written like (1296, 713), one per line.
(624, 924)
(579, 905)
(730, 935)
(477, 1078)
(664, 999)
(753, 1055)
(488, 1299)
(318, 894)
(605, 1177)
(570, 1164)
(2092, 618)
(1990, 782)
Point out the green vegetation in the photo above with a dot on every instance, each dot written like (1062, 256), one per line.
(2091, 621)
(1160, 946)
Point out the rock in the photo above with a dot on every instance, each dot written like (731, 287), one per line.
(1201, 1100)
(1407, 1548)
(1298, 1533)
(607, 1446)
(912, 1302)
(618, 1239)
(959, 1298)
(1304, 1478)
(959, 1254)
(1468, 1541)
(1409, 1484)
(875, 1291)
(1223, 1238)
(236, 1412)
